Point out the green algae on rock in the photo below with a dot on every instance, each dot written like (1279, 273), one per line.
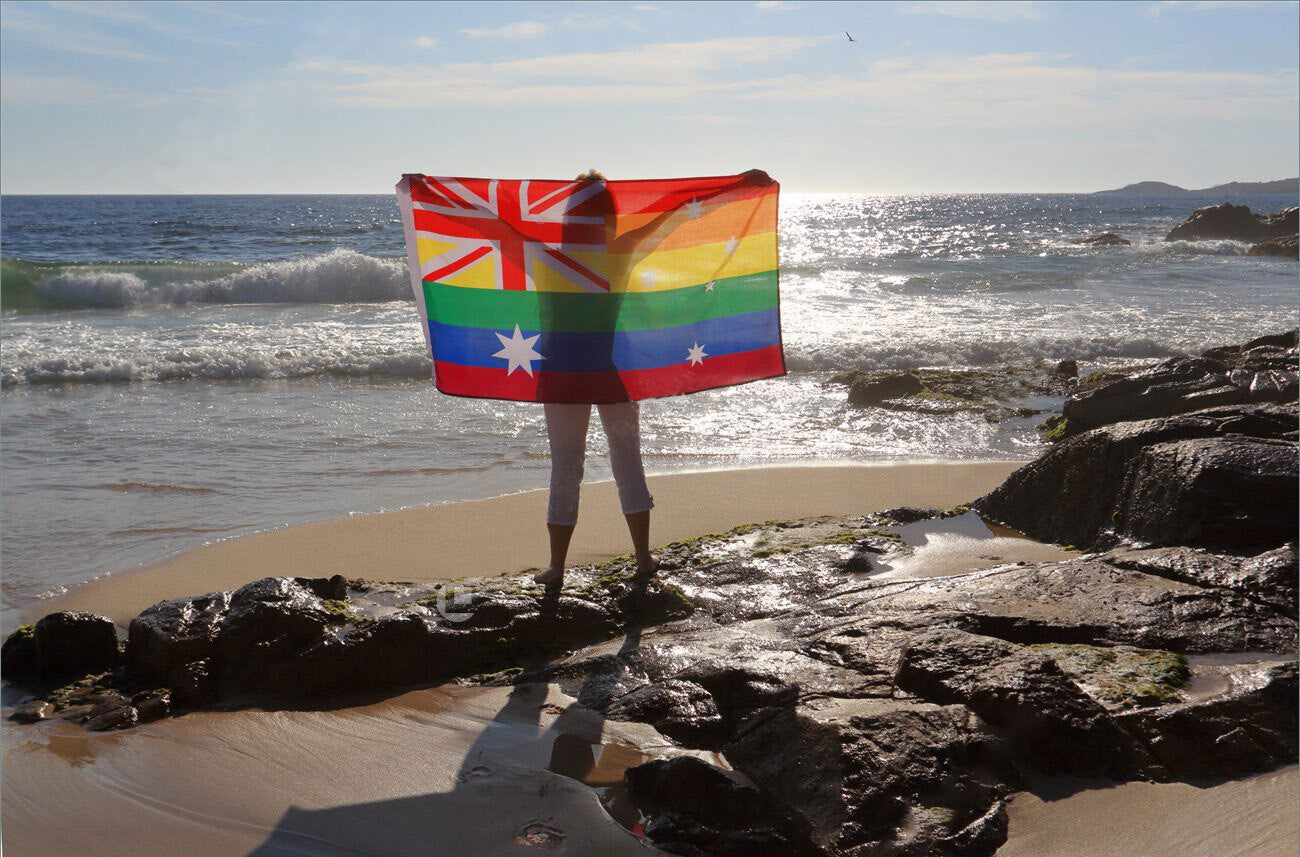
(1121, 676)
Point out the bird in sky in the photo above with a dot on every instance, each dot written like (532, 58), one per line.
(851, 39)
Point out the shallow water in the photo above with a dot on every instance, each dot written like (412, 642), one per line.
(942, 547)
(182, 369)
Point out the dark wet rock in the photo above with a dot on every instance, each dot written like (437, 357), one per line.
(1235, 375)
(1287, 246)
(112, 711)
(789, 667)
(1251, 729)
(62, 645)
(1044, 714)
(32, 711)
(1089, 601)
(888, 776)
(695, 807)
(1220, 478)
(993, 392)
(1104, 239)
(1234, 222)
(1068, 368)
(289, 639)
(1260, 345)
(1269, 577)
(152, 705)
(908, 515)
(18, 660)
(874, 389)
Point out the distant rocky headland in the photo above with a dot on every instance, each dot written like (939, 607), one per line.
(1164, 188)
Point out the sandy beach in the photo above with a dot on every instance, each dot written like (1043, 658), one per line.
(1250, 817)
(507, 534)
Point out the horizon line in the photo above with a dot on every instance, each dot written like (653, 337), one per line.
(784, 190)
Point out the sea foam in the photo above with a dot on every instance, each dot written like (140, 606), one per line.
(340, 276)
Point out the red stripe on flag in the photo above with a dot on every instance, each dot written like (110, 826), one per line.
(543, 386)
(463, 262)
(638, 197)
(578, 267)
(447, 192)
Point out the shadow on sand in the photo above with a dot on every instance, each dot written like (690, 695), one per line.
(503, 800)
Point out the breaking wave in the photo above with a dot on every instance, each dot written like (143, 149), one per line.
(218, 364)
(340, 276)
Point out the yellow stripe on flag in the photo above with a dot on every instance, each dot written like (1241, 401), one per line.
(655, 271)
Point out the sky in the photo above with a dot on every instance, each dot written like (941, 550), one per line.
(210, 97)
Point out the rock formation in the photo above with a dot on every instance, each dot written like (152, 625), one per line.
(1104, 239)
(1234, 222)
(990, 392)
(852, 710)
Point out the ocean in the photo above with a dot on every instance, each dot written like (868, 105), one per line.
(176, 370)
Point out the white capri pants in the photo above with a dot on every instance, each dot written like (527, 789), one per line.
(567, 426)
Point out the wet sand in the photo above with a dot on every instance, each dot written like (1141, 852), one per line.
(454, 771)
(1252, 817)
(466, 771)
(507, 534)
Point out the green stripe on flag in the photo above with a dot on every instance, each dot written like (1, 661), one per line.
(592, 313)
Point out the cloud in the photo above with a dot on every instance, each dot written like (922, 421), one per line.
(974, 93)
(1040, 91)
(774, 6)
(1156, 10)
(27, 24)
(125, 13)
(36, 89)
(515, 30)
(666, 71)
(44, 90)
(425, 42)
(645, 7)
(223, 11)
(1006, 10)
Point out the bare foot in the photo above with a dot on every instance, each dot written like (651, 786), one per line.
(648, 569)
(550, 578)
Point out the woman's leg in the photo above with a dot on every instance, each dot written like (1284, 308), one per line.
(622, 423)
(566, 426)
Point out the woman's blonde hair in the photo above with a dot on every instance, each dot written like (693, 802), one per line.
(591, 176)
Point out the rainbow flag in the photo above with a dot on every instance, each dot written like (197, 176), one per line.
(595, 291)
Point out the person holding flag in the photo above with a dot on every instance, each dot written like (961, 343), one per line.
(595, 292)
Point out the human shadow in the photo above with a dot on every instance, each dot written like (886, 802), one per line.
(512, 793)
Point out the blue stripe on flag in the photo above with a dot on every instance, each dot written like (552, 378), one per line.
(601, 352)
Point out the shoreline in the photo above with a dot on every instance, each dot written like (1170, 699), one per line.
(306, 780)
(445, 541)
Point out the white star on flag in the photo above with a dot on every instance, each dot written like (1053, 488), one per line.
(695, 354)
(730, 246)
(694, 209)
(518, 351)
(649, 277)
(708, 287)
